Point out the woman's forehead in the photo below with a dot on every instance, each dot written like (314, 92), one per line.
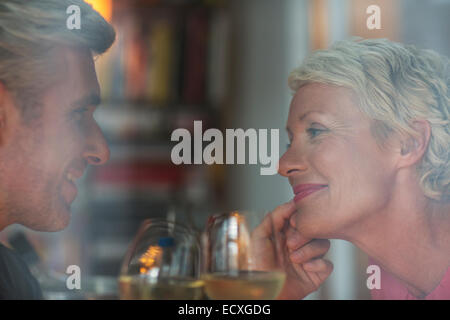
(320, 96)
(326, 101)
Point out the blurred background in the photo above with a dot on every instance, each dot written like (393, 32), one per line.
(225, 63)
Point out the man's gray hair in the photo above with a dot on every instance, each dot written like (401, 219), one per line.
(30, 30)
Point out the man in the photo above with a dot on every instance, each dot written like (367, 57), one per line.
(48, 136)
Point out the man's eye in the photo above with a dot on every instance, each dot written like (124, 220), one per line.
(79, 113)
(314, 132)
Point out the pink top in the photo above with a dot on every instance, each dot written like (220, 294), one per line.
(392, 289)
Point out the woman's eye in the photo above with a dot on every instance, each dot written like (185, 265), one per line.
(313, 132)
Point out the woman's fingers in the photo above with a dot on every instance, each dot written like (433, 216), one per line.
(275, 220)
(293, 221)
(294, 239)
(281, 214)
(318, 265)
(318, 270)
(314, 249)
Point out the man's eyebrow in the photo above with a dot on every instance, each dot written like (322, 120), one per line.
(92, 99)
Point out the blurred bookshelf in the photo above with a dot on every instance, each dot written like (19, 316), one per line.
(168, 67)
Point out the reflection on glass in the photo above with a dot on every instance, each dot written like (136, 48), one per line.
(232, 268)
(163, 263)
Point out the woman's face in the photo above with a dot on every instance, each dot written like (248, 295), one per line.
(339, 173)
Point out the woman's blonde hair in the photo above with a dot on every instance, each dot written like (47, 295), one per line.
(30, 30)
(395, 84)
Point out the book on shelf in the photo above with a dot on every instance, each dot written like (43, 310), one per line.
(165, 56)
(218, 58)
(140, 173)
(160, 61)
(135, 61)
(195, 56)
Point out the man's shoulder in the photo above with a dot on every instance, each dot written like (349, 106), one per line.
(16, 280)
(10, 261)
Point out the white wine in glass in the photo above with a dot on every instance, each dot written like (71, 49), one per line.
(246, 285)
(232, 268)
(140, 288)
(162, 263)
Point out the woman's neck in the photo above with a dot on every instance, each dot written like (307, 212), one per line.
(410, 239)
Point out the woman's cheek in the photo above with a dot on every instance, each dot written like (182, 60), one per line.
(327, 157)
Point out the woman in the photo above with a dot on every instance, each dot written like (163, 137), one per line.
(368, 160)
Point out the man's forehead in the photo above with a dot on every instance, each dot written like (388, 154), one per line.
(76, 60)
(79, 71)
(77, 84)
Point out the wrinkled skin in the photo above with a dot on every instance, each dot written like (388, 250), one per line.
(276, 245)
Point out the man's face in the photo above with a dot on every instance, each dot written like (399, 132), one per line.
(40, 160)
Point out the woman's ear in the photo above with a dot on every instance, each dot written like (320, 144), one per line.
(414, 147)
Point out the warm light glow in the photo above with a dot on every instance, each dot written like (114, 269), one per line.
(233, 228)
(104, 7)
(149, 258)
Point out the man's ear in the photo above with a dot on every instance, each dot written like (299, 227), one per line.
(8, 113)
(412, 148)
(3, 98)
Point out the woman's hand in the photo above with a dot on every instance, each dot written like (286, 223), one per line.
(276, 244)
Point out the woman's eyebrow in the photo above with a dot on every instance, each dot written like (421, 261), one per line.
(303, 116)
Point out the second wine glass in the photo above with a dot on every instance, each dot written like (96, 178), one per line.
(238, 264)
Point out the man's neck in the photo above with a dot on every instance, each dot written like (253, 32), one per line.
(3, 224)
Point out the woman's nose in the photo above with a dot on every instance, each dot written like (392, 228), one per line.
(290, 163)
(97, 150)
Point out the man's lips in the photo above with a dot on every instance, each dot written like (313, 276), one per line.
(303, 190)
(69, 189)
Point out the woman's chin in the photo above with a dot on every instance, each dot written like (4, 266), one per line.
(315, 227)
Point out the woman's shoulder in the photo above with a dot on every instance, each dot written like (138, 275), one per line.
(391, 288)
(442, 291)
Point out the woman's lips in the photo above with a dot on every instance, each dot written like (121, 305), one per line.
(303, 190)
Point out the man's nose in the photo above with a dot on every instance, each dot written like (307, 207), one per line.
(97, 150)
(291, 162)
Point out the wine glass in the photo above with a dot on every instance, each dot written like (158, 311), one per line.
(239, 264)
(162, 263)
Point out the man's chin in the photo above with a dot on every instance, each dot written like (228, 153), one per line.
(62, 220)
(55, 221)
